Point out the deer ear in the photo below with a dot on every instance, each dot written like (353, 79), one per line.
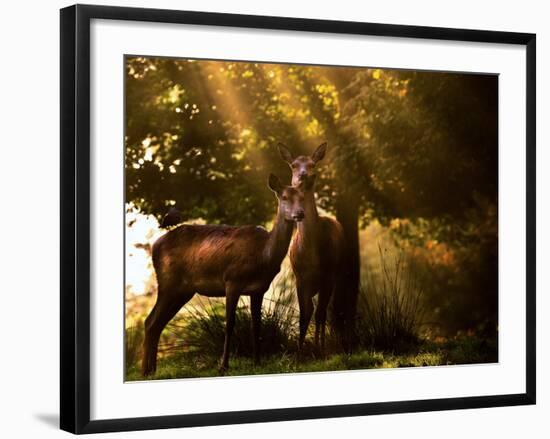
(285, 153)
(275, 184)
(319, 153)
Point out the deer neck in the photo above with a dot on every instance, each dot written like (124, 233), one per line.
(307, 229)
(279, 240)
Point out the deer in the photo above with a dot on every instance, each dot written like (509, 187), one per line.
(220, 261)
(316, 250)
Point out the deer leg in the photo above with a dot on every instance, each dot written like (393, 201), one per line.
(321, 316)
(149, 359)
(306, 310)
(231, 300)
(256, 311)
(163, 311)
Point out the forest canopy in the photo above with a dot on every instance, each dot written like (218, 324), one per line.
(415, 151)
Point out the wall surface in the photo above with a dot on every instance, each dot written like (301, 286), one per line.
(29, 180)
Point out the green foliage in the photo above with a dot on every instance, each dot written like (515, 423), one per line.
(404, 143)
(457, 265)
(420, 147)
(428, 140)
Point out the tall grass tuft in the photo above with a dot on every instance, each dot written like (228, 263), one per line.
(389, 310)
(200, 327)
(133, 345)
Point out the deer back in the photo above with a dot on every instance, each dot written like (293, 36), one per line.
(209, 255)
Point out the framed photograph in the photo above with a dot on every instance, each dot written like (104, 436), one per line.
(268, 219)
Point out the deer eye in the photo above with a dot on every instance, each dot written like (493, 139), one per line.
(294, 165)
(284, 198)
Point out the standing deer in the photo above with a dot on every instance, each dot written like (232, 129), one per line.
(220, 261)
(316, 249)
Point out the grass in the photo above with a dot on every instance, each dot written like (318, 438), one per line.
(462, 350)
(202, 328)
(389, 307)
(389, 330)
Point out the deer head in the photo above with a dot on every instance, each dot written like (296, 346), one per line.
(291, 199)
(303, 166)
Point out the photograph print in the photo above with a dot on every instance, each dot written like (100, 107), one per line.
(284, 218)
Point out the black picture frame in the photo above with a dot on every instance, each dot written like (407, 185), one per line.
(75, 217)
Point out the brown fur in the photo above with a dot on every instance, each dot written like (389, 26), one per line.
(316, 251)
(219, 261)
(206, 257)
(316, 257)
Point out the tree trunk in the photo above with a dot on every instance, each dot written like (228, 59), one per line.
(345, 300)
